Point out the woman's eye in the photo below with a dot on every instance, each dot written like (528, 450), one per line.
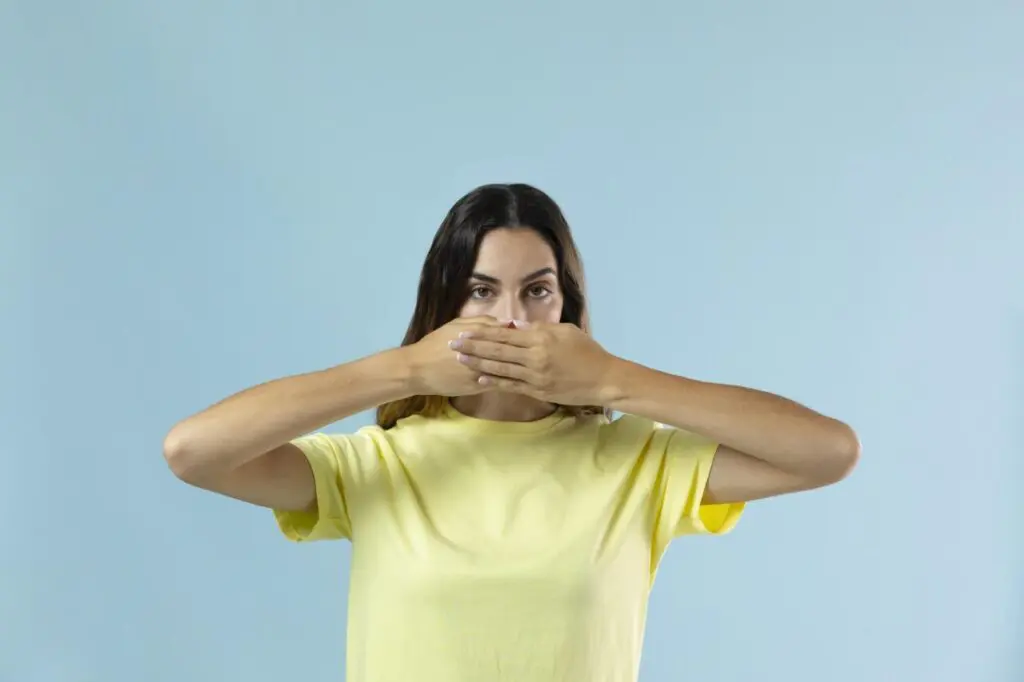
(479, 292)
(538, 291)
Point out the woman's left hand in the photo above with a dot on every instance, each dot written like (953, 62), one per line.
(557, 363)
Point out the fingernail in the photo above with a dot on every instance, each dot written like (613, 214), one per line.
(455, 344)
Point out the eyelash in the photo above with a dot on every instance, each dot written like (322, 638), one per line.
(546, 291)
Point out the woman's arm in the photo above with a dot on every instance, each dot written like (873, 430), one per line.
(769, 445)
(240, 447)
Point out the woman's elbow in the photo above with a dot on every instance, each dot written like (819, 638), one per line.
(180, 456)
(844, 454)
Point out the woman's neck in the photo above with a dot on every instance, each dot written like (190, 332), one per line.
(505, 407)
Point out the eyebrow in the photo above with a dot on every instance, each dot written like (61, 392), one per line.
(533, 275)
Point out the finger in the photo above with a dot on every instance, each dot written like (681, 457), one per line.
(512, 337)
(495, 368)
(486, 320)
(491, 350)
(503, 384)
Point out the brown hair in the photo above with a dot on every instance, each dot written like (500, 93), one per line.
(449, 266)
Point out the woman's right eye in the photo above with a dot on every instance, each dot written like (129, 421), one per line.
(479, 292)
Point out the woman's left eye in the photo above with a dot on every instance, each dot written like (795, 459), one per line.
(538, 291)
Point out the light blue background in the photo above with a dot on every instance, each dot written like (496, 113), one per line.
(823, 200)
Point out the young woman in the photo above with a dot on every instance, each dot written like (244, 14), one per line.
(505, 526)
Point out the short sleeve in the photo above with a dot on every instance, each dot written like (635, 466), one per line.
(330, 521)
(685, 466)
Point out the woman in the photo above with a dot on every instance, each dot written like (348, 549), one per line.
(504, 526)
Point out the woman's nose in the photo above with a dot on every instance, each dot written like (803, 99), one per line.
(509, 308)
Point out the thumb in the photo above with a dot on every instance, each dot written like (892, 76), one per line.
(479, 319)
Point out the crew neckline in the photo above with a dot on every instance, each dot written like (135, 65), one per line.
(458, 418)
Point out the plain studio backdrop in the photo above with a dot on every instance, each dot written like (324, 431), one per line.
(822, 200)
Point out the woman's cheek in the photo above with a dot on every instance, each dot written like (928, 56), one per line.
(473, 309)
(547, 310)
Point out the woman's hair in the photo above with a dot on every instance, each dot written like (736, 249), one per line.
(444, 280)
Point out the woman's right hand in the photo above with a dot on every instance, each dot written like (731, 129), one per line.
(436, 367)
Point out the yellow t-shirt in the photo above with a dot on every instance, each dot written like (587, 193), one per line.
(487, 551)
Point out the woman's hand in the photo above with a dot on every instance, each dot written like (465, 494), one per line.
(435, 369)
(557, 363)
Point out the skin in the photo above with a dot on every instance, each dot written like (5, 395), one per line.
(770, 446)
(515, 279)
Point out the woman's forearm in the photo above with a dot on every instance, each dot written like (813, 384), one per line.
(269, 415)
(768, 427)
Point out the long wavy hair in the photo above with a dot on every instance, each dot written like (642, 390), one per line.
(444, 280)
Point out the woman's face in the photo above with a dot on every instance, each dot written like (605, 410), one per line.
(515, 278)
